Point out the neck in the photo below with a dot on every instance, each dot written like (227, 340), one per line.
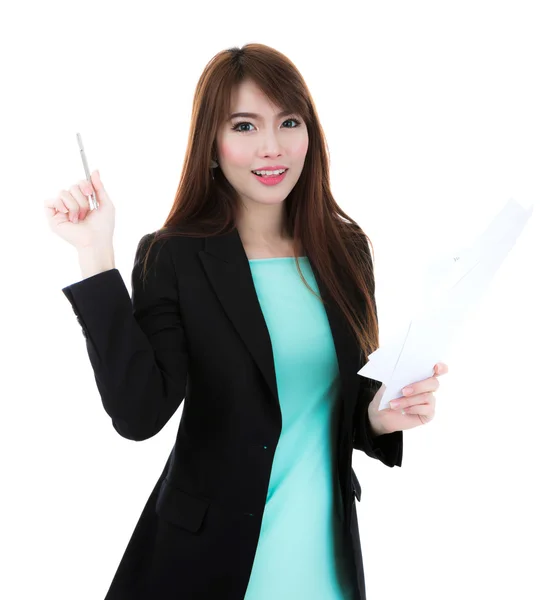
(263, 225)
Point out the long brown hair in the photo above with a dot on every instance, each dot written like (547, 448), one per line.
(334, 243)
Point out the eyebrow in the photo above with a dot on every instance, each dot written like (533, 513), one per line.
(256, 116)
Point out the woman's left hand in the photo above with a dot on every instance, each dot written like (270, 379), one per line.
(414, 408)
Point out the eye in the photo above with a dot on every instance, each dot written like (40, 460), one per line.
(236, 126)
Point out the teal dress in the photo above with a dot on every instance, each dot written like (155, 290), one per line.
(299, 553)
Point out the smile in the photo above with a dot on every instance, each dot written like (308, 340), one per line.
(270, 179)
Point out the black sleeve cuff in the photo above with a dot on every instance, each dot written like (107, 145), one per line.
(387, 448)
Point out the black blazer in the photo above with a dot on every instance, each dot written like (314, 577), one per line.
(196, 332)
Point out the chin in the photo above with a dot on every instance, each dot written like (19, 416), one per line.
(267, 201)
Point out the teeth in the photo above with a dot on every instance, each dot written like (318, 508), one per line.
(270, 172)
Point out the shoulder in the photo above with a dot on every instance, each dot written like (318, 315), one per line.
(167, 250)
(174, 241)
(356, 240)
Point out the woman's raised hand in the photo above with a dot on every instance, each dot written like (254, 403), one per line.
(70, 217)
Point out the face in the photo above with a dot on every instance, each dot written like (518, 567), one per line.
(246, 144)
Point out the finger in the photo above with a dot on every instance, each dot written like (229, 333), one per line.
(431, 384)
(427, 410)
(441, 369)
(53, 206)
(99, 188)
(70, 203)
(83, 202)
(87, 189)
(424, 398)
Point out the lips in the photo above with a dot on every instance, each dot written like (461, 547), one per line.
(270, 180)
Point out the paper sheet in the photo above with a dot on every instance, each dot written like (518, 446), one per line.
(453, 287)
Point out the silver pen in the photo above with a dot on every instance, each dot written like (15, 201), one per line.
(93, 204)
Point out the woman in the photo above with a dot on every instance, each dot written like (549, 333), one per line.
(255, 304)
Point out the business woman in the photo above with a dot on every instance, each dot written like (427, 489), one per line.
(254, 303)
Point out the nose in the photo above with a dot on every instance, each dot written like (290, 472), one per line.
(271, 145)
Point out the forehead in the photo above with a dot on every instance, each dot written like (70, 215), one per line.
(246, 96)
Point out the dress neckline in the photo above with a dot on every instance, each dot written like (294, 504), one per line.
(276, 258)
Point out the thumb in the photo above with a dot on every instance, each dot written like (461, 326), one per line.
(98, 185)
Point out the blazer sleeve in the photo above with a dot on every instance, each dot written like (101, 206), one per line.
(387, 448)
(137, 347)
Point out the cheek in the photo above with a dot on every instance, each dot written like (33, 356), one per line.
(300, 149)
(235, 155)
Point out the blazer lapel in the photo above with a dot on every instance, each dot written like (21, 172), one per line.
(229, 273)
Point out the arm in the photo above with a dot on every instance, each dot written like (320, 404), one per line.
(387, 447)
(137, 348)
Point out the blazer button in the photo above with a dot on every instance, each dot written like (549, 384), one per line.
(265, 447)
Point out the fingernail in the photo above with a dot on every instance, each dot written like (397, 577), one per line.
(406, 390)
(74, 219)
(394, 403)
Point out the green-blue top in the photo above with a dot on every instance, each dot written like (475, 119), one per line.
(299, 553)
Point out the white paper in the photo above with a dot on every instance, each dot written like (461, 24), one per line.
(453, 287)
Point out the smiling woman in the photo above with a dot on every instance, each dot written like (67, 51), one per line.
(257, 498)
(256, 124)
(263, 139)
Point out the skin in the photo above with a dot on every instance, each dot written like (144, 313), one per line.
(414, 408)
(258, 142)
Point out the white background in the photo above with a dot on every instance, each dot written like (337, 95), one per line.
(436, 113)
